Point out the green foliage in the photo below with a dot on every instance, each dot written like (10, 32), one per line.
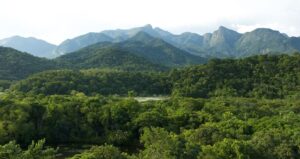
(106, 57)
(101, 152)
(177, 128)
(95, 81)
(4, 84)
(159, 144)
(228, 149)
(259, 76)
(36, 150)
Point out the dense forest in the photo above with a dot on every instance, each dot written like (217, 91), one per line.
(175, 128)
(262, 76)
(243, 108)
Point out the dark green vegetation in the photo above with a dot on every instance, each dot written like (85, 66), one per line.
(106, 82)
(36, 150)
(262, 76)
(259, 76)
(175, 128)
(245, 108)
(16, 65)
(107, 57)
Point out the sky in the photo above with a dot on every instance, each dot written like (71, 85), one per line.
(57, 20)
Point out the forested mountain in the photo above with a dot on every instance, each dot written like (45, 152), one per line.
(222, 43)
(140, 53)
(142, 50)
(159, 51)
(31, 45)
(17, 65)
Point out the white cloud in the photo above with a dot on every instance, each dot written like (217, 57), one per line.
(56, 20)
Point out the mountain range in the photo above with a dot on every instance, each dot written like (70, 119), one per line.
(141, 52)
(222, 43)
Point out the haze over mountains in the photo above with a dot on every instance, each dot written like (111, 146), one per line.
(222, 43)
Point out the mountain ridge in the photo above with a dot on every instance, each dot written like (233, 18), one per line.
(222, 43)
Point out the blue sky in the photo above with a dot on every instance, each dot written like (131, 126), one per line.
(56, 20)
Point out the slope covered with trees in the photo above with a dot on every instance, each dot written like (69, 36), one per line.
(264, 76)
(107, 57)
(17, 65)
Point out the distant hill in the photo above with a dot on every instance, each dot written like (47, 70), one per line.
(31, 45)
(16, 65)
(141, 51)
(77, 43)
(263, 41)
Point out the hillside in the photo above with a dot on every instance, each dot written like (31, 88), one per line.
(263, 76)
(16, 65)
(106, 57)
